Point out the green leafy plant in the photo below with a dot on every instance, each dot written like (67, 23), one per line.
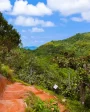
(34, 104)
(6, 71)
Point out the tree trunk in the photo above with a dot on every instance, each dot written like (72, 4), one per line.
(82, 92)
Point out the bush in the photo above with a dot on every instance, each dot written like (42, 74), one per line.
(6, 71)
(87, 101)
(34, 104)
(76, 106)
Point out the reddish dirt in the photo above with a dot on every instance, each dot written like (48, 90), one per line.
(13, 95)
(3, 83)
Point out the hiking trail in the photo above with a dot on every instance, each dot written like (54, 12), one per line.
(12, 97)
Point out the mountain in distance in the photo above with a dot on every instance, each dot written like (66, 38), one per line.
(30, 47)
(79, 45)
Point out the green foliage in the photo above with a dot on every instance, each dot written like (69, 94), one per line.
(87, 101)
(6, 71)
(9, 37)
(75, 106)
(34, 104)
(77, 45)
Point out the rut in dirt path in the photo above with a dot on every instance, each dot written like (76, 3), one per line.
(12, 99)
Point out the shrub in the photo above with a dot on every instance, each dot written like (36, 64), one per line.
(87, 101)
(6, 71)
(34, 104)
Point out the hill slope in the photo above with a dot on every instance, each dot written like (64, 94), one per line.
(78, 45)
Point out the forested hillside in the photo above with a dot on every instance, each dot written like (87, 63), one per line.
(77, 45)
(72, 58)
(64, 62)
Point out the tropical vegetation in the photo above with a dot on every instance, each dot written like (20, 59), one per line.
(65, 63)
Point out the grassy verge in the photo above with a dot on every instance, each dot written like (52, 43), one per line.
(34, 104)
(20, 81)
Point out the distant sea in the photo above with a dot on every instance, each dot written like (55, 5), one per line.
(31, 47)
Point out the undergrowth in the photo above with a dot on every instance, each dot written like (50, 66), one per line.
(34, 104)
(75, 106)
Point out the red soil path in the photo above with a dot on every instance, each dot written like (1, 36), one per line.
(12, 99)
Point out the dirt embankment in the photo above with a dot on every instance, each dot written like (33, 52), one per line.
(3, 83)
(12, 99)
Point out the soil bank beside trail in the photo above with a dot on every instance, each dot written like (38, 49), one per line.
(12, 99)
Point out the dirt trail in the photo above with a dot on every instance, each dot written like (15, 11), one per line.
(13, 95)
(3, 83)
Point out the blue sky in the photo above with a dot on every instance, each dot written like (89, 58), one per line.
(40, 21)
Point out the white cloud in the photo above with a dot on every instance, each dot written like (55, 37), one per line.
(21, 7)
(35, 29)
(86, 16)
(5, 5)
(70, 7)
(77, 19)
(29, 21)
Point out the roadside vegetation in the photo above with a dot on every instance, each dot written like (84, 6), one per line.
(34, 104)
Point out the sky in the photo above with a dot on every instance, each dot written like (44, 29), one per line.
(41, 21)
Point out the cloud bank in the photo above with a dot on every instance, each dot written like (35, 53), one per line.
(5, 5)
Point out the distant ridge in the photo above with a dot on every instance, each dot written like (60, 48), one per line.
(30, 47)
(77, 45)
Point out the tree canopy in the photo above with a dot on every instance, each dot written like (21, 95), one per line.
(9, 37)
